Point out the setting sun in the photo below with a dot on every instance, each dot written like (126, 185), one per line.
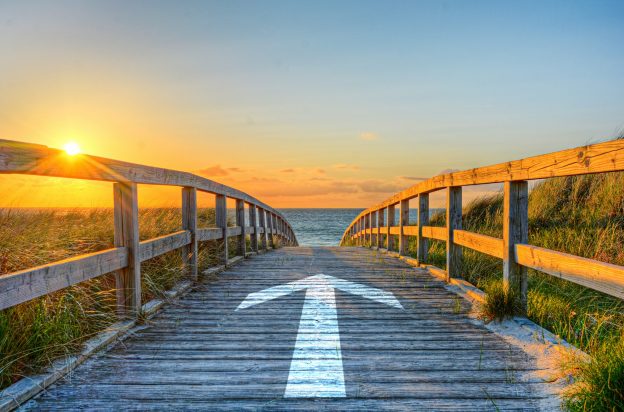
(71, 148)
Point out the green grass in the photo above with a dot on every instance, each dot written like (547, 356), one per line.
(34, 333)
(581, 215)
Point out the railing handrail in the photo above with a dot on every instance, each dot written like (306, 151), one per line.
(517, 255)
(128, 252)
(34, 159)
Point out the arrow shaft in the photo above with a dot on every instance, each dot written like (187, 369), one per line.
(316, 367)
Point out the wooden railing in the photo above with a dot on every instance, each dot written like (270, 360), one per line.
(266, 224)
(368, 228)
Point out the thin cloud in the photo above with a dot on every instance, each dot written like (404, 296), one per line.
(368, 136)
(413, 178)
(287, 171)
(216, 170)
(348, 167)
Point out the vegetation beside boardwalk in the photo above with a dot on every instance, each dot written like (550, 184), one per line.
(34, 333)
(583, 216)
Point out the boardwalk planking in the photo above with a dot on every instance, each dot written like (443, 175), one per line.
(199, 353)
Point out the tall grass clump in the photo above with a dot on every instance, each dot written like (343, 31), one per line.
(34, 333)
(580, 215)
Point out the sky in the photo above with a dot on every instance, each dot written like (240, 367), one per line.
(305, 103)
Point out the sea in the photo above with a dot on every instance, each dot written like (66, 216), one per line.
(324, 227)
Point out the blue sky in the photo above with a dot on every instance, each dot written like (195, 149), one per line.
(389, 89)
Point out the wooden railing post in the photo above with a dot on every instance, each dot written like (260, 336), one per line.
(221, 220)
(380, 223)
(126, 216)
(240, 221)
(189, 222)
(515, 230)
(263, 238)
(423, 220)
(269, 225)
(389, 237)
(253, 222)
(373, 229)
(403, 221)
(275, 227)
(453, 221)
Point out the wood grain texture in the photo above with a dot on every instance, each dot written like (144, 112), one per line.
(423, 221)
(390, 241)
(434, 232)
(240, 222)
(604, 277)
(481, 243)
(126, 235)
(158, 246)
(597, 158)
(33, 159)
(189, 223)
(221, 223)
(403, 221)
(200, 353)
(453, 222)
(22, 286)
(515, 231)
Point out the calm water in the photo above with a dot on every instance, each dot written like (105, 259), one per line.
(320, 227)
(324, 227)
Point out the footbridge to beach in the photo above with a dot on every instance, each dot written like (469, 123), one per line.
(364, 325)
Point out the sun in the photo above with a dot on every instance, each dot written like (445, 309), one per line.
(71, 148)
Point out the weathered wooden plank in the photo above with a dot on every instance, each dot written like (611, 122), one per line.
(22, 286)
(189, 223)
(221, 222)
(126, 218)
(453, 222)
(163, 244)
(597, 158)
(209, 233)
(234, 231)
(33, 159)
(253, 229)
(601, 276)
(515, 231)
(434, 232)
(240, 222)
(389, 235)
(423, 221)
(485, 244)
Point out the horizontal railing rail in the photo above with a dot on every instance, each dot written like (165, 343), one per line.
(266, 225)
(370, 229)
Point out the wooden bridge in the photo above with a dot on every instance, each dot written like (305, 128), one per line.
(300, 328)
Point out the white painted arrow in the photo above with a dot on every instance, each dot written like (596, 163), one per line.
(316, 366)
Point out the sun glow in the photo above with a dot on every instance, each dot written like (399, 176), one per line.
(71, 148)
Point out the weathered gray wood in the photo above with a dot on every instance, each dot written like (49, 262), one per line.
(189, 223)
(240, 221)
(158, 246)
(221, 222)
(33, 159)
(380, 223)
(233, 231)
(389, 237)
(601, 276)
(403, 221)
(453, 222)
(201, 353)
(597, 158)
(128, 279)
(423, 220)
(515, 231)
(22, 286)
(253, 236)
(209, 233)
(263, 230)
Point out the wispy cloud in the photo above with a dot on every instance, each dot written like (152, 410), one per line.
(368, 136)
(346, 167)
(213, 171)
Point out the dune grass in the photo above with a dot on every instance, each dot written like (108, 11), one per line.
(581, 215)
(34, 333)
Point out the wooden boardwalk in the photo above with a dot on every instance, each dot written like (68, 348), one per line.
(200, 352)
